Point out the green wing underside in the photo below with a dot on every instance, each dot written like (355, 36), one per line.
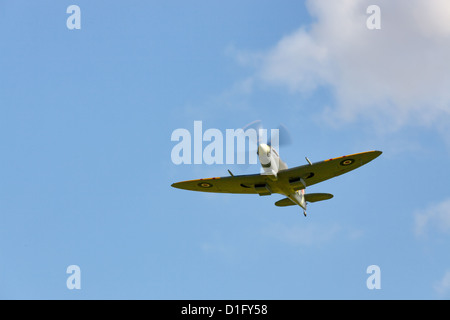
(311, 174)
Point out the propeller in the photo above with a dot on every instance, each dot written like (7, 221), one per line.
(259, 136)
(257, 126)
(281, 135)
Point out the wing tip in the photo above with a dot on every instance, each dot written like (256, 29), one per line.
(377, 153)
(176, 185)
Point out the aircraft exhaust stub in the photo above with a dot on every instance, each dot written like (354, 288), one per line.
(263, 189)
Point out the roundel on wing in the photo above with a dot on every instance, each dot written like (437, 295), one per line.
(205, 185)
(347, 162)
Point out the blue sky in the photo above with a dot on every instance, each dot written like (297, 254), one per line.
(85, 127)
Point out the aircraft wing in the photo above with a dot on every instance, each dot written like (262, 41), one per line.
(287, 179)
(244, 184)
(327, 169)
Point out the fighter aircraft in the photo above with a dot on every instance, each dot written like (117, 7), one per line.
(278, 178)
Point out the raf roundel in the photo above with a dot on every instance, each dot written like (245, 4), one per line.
(347, 162)
(205, 185)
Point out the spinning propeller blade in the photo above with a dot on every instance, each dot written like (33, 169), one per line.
(283, 136)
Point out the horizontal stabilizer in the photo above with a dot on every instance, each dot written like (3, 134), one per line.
(314, 197)
(310, 197)
(285, 202)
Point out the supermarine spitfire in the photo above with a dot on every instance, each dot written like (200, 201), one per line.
(278, 178)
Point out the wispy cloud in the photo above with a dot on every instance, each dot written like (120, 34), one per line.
(436, 216)
(442, 287)
(394, 76)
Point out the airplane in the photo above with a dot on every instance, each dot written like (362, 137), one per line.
(278, 178)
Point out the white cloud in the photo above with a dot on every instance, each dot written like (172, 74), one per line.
(442, 287)
(394, 76)
(436, 216)
(297, 62)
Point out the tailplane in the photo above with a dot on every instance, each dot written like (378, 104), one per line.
(310, 197)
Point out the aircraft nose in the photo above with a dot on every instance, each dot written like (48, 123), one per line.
(263, 149)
